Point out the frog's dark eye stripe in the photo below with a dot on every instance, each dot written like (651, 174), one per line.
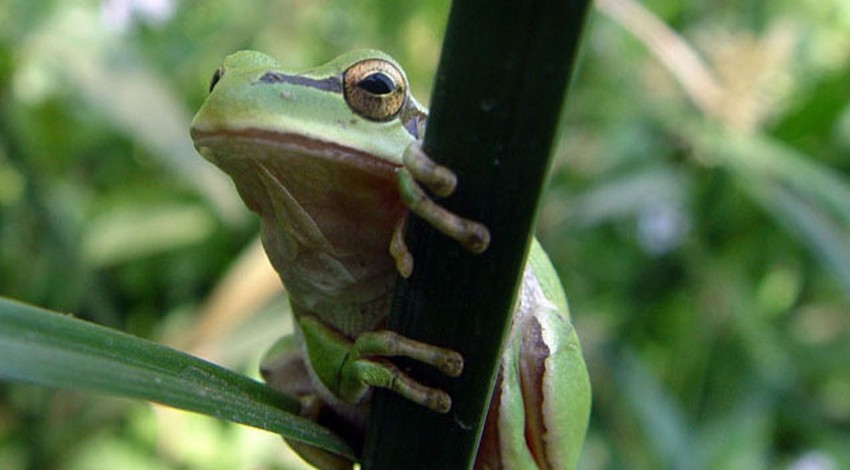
(375, 89)
(331, 84)
(219, 72)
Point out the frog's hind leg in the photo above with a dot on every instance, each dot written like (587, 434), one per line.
(284, 370)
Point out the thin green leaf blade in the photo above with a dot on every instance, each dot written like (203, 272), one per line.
(826, 239)
(46, 348)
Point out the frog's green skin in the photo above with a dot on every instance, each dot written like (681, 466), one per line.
(329, 159)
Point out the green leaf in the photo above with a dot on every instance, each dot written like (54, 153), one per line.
(496, 104)
(810, 200)
(654, 409)
(48, 348)
(824, 238)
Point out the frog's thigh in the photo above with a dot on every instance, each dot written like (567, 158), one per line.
(542, 404)
(283, 369)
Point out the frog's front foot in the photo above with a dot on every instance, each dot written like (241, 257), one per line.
(419, 168)
(363, 364)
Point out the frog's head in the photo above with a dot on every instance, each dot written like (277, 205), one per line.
(315, 153)
(360, 101)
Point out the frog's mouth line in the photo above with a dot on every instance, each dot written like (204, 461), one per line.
(287, 143)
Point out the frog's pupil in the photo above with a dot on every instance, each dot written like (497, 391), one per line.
(377, 84)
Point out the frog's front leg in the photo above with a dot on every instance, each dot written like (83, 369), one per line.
(419, 168)
(349, 368)
(346, 370)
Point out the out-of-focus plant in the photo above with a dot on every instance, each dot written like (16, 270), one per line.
(698, 214)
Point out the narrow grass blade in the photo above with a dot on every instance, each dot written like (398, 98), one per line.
(47, 348)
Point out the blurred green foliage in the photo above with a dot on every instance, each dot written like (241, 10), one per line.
(705, 249)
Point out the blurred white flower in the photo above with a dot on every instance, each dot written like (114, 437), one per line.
(661, 225)
(814, 460)
(120, 14)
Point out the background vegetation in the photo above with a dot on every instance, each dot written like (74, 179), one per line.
(699, 215)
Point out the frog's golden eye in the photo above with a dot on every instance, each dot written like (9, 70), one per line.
(219, 72)
(375, 89)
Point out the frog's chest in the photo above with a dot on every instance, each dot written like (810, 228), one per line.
(352, 292)
(326, 228)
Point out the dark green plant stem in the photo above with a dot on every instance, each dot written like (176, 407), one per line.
(497, 99)
(47, 348)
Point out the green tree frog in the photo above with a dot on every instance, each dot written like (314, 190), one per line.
(330, 160)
